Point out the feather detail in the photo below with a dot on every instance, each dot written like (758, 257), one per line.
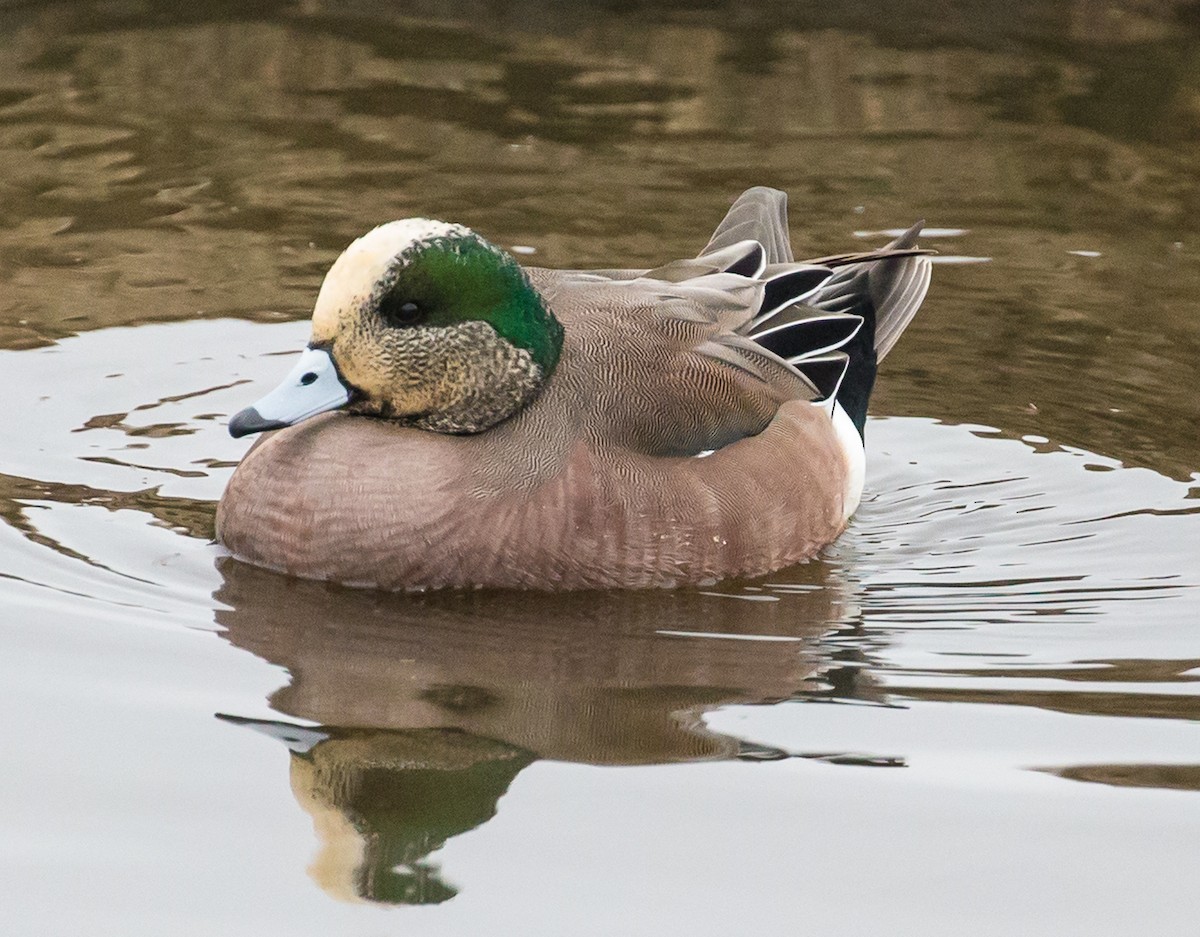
(746, 258)
(809, 336)
(868, 257)
(760, 214)
(826, 373)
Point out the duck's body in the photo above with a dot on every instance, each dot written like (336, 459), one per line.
(666, 444)
(544, 497)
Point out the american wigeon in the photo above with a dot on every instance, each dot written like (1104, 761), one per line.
(500, 426)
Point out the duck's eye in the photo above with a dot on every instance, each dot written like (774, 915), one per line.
(406, 313)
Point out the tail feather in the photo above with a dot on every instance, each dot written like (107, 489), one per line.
(861, 257)
(896, 304)
(881, 289)
(886, 292)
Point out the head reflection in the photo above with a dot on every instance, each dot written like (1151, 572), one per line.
(427, 707)
(381, 801)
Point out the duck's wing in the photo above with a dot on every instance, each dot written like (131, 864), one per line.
(752, 240)
(666, 368)
(751, 327)
(705, 385)
(861, 309)
(759, 214)
(746, 258)
(752, 235)
(892, 279)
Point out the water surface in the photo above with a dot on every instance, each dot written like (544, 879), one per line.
(978, 709)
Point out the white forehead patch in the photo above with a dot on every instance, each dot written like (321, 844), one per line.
(362, 264)
(396, 237)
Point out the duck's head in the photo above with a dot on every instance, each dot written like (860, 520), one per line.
(422, 322)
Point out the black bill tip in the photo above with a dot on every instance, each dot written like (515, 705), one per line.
(248, 421)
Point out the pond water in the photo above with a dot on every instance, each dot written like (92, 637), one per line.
(978, 711)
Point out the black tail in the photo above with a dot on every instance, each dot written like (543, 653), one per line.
(886, 293)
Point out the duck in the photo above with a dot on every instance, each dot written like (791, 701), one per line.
(460, 421)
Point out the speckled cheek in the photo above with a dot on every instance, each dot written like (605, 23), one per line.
(360, 361)
(395, 370)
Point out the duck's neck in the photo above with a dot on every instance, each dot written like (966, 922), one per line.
(495, 367)
(499, 379)
(481, 379)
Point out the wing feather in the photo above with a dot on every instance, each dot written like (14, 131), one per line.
(758, 214)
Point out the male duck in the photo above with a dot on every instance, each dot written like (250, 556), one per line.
(552, 429)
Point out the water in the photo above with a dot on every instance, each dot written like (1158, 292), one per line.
(977, 710)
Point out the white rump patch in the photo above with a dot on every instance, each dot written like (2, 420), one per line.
(856, 459)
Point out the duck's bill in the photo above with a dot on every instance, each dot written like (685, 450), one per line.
(311, 387)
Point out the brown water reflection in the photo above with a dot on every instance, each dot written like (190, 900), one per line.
(583, 677)
(426, 707)
(1165, 777)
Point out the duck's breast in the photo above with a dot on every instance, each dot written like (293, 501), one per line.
(363, 502)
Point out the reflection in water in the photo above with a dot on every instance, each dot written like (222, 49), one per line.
(1167, 777)
(1082, 702)
(429, 706)
(381, 801)
(166, 169)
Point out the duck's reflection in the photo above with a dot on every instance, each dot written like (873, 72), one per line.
(382, 800)
(427, 707)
